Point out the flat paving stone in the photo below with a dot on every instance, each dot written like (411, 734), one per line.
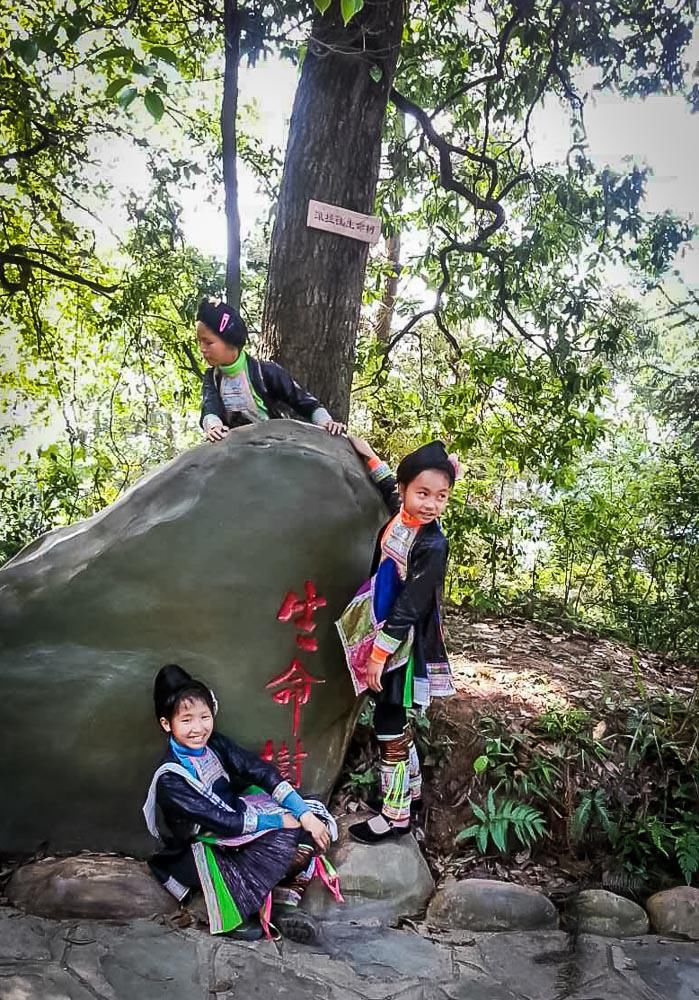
(148, 960)
(24, 938)
(140, 961)
(42, 982)
(671, 968)
(540, 965)
(388, 953)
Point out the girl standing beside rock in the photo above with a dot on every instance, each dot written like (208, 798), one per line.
(391, 630)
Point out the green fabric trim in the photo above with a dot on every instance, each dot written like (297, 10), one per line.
(235, 369)
(230, 914)
(394, 794)
(237, 366)
(408, 686)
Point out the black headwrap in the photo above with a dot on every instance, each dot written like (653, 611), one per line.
(224, 321)
(427, 456)
(173, 684)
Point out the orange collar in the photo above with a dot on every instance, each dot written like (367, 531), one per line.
(409, 520)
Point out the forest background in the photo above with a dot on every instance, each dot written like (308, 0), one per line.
(534, 311)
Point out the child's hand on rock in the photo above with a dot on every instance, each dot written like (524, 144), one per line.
(317, 829)
(334, 427)
(216, 432)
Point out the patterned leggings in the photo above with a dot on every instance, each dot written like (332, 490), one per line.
(401, 779)
(292, 887)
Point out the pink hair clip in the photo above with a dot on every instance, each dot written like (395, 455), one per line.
(224, 322)
(456, 465)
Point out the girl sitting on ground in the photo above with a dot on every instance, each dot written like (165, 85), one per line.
(237, 388)
(391, 630)
(237, 829)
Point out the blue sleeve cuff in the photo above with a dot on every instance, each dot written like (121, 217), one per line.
(295, 804)
(269, 821)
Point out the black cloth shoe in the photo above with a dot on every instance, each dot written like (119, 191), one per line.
(249, 930)
(294, 924)
(363, 833)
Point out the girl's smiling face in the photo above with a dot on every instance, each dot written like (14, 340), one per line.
(426, 496)
(214, 349)
(191, 725)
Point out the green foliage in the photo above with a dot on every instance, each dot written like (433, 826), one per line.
(686, 845)
(363, 781)
(590, 813)
(631, 796)
(499, 821)
(658, 816)
(559, 723)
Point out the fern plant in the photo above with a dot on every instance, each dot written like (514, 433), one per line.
(497, 820)
(687, 848)
(591, 812)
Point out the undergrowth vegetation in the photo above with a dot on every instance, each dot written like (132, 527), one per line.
(612, 795)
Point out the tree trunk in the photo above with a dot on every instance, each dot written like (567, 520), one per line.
(388, 302)
(315, 280)
(229, 143)
(396, 156)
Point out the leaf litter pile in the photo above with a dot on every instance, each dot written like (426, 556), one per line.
(598, 739)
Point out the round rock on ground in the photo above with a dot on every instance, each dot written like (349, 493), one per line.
(675, 911)
(90, 886)
(489, 905)
(379, 882)
(596, 911)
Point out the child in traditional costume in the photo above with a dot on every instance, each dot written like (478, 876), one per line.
(391, 630)
(236, 828)
(237, 388)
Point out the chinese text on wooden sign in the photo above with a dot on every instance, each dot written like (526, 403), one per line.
(334, 219)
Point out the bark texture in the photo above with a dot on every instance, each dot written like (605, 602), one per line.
(229, 144)
(315, 281)
(388, 303)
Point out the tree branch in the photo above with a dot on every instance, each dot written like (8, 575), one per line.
(488, 78)
(38, 147)
(27, 264)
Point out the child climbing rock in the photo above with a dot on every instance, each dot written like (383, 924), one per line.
(238, 389)
(236, 828)
(391, 630)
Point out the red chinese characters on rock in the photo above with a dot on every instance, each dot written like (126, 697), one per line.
(289, 764)
(300, 611)
(296, 689)
(293, 686)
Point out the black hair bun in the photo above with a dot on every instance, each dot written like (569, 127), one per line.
(168, 681)
(427, 456)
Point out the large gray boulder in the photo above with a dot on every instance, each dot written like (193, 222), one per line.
(190, 566)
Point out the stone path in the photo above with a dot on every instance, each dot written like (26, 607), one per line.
(145, 960)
